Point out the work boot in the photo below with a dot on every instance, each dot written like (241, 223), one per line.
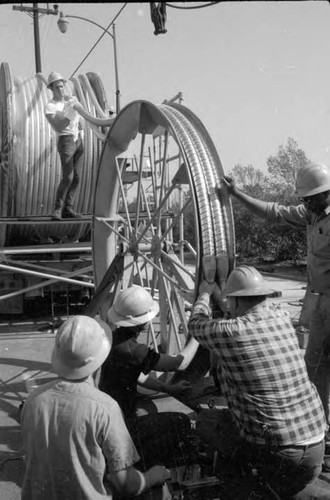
(57, 214)
(69, 213)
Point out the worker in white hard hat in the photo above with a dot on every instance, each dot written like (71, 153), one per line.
(76, 444)
(275, 419)
(313, 191)
(130, 364)
(66, 122)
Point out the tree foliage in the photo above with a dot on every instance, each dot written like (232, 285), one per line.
(254, 238)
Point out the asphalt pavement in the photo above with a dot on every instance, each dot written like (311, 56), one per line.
(25, 353)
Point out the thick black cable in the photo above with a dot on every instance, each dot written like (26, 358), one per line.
(99, 39)
(193, 7)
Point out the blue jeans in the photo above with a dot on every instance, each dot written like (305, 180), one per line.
(71, 155)
(289, 471)
(318, 364)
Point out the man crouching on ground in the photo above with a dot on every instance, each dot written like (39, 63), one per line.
(276, 421)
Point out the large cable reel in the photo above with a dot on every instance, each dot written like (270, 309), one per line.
(158, 171)
(30, 168)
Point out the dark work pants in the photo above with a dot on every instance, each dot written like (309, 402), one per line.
(286, 472)
(71, 155)
(161, 438)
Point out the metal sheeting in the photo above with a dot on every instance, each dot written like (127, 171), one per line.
(5, 149)
(30, 168)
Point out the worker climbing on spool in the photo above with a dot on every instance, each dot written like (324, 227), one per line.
(65, 120)
(275, 424)
(157, 436)
(313, 191)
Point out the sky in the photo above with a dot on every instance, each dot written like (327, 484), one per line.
(255, 73)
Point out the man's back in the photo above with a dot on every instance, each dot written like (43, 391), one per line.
(71, 433)
(264, 376)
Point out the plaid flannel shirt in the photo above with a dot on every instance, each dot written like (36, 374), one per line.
(263, 374)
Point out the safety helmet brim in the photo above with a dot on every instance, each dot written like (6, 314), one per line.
(311, 180)
(55, 77)
(246, 281)
(251, 292)
(75, 373)
(303, 193)
(117, 319)
(49, 86)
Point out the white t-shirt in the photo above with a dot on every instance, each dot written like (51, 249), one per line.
(52, 107)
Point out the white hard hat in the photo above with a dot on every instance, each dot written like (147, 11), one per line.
(312, 179)
(246, 281)
(54, 77)
(133, 306)
(81, 346)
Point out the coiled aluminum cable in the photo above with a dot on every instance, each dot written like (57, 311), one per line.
(225, 203)
(194, 164)
(220, 242)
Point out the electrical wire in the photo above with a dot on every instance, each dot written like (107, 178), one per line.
(194, 7)
(99, 39)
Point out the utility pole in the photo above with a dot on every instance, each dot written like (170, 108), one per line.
(36, 37)
(35, 10)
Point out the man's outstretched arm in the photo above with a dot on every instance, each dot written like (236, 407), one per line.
(258, 207)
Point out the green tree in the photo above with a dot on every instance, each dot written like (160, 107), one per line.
(247, 175)
(282, 169)
(254, 238)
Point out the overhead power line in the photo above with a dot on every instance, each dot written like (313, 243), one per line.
(192, 6)
(99, 39)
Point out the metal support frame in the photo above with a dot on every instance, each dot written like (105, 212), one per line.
(54, 275)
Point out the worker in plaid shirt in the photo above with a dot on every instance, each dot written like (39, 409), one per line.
(275, 411)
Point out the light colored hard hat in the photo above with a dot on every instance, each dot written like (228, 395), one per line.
(312, 179)
(81, 345)
(246, 281)
(133, 306)
(54, 77)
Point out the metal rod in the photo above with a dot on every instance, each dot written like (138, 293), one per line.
(45, 275)
(113, 36)
(160, 271)
(139, 184)
(176, 218)
(45, 268)
(116, 68)
(178, 264)
(63, 248)
(40, 285)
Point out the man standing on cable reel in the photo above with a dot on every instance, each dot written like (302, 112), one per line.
(65, 120)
